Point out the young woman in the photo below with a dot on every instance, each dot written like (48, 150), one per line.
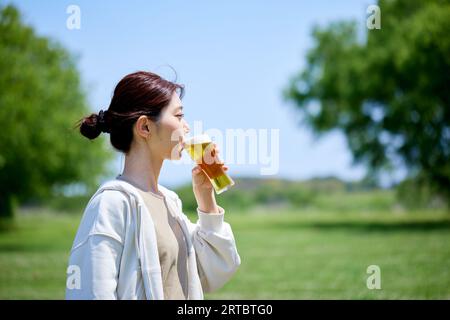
(134, 242)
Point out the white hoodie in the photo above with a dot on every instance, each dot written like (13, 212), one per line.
(115, 254)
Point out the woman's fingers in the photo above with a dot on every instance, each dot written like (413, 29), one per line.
(196, 170)
(214, 150)
(214, 153)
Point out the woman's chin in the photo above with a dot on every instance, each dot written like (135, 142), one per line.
(176, 155)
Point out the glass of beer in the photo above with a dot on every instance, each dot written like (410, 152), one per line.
(200, 150)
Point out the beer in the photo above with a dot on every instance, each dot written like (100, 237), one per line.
(200, 151)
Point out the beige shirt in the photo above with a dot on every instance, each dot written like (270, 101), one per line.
(172, 246)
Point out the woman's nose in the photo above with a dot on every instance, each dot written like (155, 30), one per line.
(186, 127)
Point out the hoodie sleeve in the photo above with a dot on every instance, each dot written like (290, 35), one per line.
(215, 247)
(95, 257)
(95, 265)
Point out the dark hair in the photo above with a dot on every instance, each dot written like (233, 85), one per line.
(137, 94)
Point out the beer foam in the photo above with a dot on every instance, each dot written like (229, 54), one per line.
(202, 138)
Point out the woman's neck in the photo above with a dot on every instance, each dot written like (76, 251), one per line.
(142, 170)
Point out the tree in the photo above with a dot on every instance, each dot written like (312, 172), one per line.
(41, 99)
(388, 92)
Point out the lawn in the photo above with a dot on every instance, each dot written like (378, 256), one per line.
(285, 255)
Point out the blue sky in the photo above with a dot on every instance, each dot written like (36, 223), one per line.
(234, 57)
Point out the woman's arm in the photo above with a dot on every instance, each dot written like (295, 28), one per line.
(202, 187)
(215, 247)
(95, 257)
(203, 191)
(95, 268)
(213, 240)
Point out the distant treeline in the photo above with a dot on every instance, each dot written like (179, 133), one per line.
(317, 193)
(322, 194)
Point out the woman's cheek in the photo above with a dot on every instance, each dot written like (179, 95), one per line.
(174, 133)
(175, 149)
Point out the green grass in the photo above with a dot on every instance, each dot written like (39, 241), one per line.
(285, 255)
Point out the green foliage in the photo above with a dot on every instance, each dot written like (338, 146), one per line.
(420, 193)
(41, 99)
(68, 204)
(388, 93)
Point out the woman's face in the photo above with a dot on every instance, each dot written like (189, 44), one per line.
(168, 133)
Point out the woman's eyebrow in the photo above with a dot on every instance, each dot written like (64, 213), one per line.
(179, 108)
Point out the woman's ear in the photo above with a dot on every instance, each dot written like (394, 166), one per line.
(143, 127)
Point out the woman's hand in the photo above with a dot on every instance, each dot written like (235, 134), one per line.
(202, 187)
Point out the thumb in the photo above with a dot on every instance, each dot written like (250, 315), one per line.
(196, 170)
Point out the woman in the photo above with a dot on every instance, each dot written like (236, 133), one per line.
(134, 242)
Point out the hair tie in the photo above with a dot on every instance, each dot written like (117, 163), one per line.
(101, 122)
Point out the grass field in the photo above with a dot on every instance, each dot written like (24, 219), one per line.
(285, 255)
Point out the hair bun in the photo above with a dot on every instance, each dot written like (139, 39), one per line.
(93, 125)
(101, 121)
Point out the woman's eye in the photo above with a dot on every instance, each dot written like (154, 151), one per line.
(180, 115)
